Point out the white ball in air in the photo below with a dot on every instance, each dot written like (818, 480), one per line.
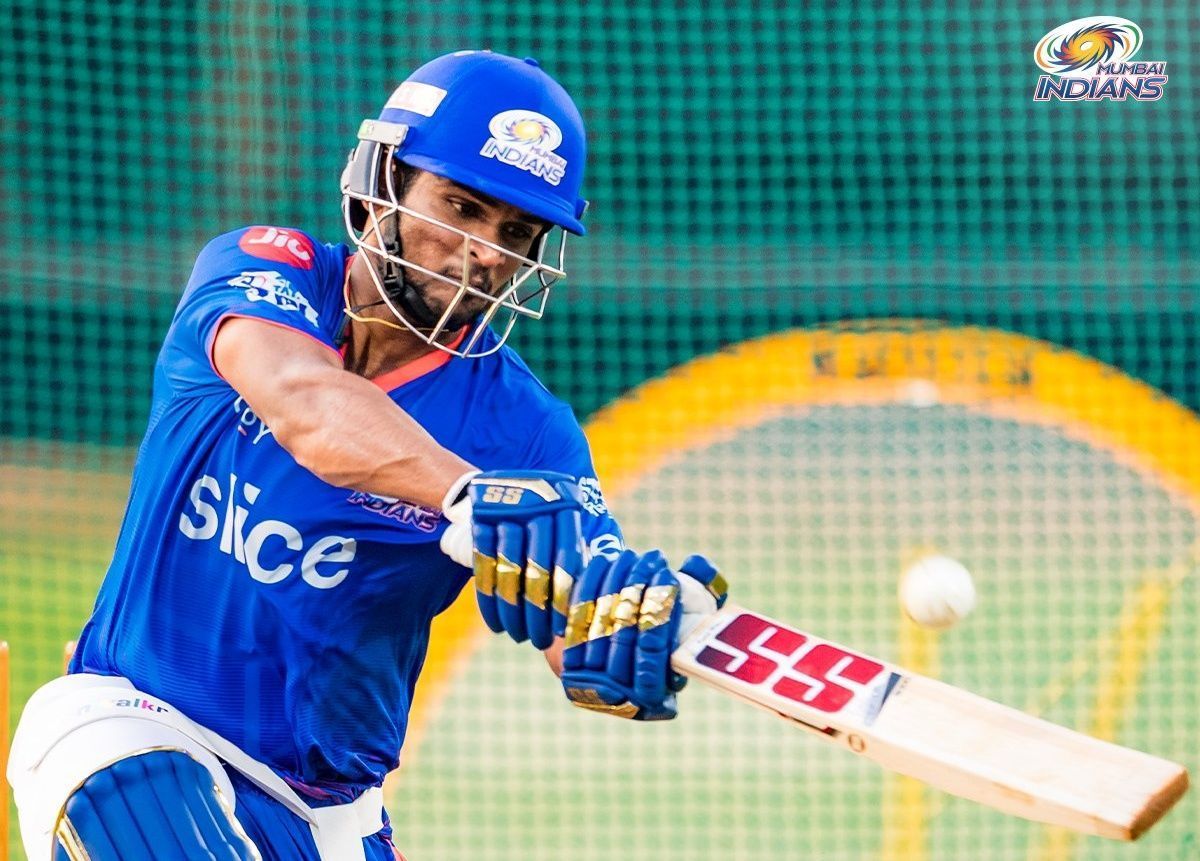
(937, 591)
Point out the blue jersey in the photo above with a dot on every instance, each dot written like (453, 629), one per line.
(289, 615)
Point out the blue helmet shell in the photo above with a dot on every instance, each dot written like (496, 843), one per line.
(499, 125)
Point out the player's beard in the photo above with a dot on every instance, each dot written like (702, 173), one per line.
(411, 296)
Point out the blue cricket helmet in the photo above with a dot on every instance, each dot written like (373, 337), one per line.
(495, 124)
(499, 125)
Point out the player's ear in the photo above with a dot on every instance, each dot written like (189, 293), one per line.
(366, 176)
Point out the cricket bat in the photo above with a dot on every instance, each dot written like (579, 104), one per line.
(945, 736)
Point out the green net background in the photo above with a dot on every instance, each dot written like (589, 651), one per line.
(753, 169)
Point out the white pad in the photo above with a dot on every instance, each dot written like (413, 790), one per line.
(72, 728)
(80, 724)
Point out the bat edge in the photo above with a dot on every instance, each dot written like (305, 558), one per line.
(1160, 805)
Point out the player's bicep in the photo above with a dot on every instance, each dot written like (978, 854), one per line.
(266, 362)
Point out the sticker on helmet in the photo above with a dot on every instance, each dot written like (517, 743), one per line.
(526, 140)
(416, 97)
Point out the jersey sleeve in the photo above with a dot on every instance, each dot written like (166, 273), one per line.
(267, 273)
(562, 446)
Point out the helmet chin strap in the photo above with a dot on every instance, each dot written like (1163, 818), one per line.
(398, 288)
(402, 291)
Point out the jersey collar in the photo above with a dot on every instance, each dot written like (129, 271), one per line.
(419, 367)
(409, 371)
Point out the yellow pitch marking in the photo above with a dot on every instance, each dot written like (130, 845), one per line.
(1120, 659)
(907, 802)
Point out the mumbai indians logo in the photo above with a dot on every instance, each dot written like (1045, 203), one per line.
(1087, 60)
(270, 286)
(424, 519)
(526, 140)
(591, 498)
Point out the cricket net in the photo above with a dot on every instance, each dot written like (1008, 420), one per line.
(850, 295)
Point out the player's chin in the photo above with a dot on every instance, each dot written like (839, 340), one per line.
(463, 310)
(457, 321)
(454, 323)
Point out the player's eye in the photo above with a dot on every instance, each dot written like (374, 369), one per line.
(467, 209)
(518, 232)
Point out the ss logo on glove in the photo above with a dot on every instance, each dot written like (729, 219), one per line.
(503, 495)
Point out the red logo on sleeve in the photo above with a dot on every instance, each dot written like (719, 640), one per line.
(281, 246)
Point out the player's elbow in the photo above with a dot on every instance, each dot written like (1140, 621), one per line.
(321, 448)
(312, 448)
(304, 439)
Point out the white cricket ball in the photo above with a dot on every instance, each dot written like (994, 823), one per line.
(937, 591)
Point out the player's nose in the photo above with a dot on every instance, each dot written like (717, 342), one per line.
(486, 256)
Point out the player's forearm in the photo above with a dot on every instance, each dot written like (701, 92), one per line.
(349, 433)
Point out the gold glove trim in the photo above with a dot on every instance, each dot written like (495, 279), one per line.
(508, 579)
(587, 698)
(579, 620)
(563, 582)
(625, 614)
(602, 621)
(719, 587)
(537, 584)
(485, 573)
(656, 606)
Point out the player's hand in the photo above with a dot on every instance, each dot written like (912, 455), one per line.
(625, 619)
(525, 546)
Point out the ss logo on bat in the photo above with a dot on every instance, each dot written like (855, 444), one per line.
(789, 663)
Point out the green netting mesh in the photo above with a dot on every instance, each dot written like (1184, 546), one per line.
(754, 169)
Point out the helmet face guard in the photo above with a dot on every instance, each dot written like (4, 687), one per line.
(523, 295)
(495, 124)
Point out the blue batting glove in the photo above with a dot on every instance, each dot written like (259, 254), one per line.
(622, 626)
(702, 591)
(527, 540)
(706, 574)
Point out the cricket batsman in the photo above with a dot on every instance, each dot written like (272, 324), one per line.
(338, 439)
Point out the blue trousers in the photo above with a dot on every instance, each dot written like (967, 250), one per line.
(281, 835)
